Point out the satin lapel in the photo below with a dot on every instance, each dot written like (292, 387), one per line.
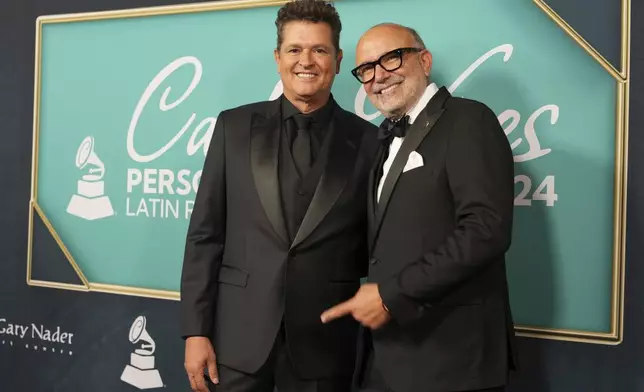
(419, 130)
(372, 189)
(264, 150)
(341, 159)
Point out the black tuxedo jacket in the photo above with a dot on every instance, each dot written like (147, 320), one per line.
(242, 276)
(437, 241)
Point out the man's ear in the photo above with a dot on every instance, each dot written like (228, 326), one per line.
(338, 60)
(426, 61)
(276, 54)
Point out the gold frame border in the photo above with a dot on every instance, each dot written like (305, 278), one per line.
(622, 76)
(34, 207)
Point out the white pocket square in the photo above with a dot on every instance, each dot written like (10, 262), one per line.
(415, 160)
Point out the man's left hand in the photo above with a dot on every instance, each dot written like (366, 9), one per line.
(366, 307)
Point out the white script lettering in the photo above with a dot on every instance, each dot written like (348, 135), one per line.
(202, 133)
(152, 87)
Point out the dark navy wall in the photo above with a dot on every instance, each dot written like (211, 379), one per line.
(598, 21)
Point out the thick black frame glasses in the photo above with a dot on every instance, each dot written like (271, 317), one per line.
(389, 61)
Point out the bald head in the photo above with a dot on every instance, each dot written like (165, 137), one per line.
(397, 83)
(389, 28)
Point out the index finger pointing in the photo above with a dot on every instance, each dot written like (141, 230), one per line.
(337, 311)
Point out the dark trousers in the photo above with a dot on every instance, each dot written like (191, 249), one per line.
(276, 374)
(373, 381)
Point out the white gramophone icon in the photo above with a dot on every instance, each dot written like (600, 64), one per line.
(90, 202)
(141, 372)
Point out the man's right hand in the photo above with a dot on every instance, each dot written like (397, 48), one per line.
(200, 355)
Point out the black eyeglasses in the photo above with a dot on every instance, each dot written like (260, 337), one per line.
(389, 61)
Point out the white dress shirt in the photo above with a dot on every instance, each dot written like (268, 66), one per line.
(397, 141)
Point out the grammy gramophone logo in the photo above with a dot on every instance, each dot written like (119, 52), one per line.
(90, 201)
(140, 372)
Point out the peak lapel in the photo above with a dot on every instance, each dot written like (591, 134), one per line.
(341, 158)
(264, 150)
(372, 188)
(417, 133)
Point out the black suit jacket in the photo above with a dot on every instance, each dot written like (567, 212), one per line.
(437, 240)
(242, 275)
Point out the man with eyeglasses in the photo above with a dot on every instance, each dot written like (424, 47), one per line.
(435, 310)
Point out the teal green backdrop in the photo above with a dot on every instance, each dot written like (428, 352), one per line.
(139, 97)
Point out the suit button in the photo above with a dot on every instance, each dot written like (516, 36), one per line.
(373, 261)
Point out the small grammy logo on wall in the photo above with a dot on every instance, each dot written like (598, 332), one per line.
(140, 372)
(90, 202)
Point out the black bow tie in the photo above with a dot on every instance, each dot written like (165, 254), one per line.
(390, 129)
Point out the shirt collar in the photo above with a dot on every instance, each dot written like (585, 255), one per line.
(422, 102)
(321, 116)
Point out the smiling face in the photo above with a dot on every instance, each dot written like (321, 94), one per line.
(395, 92)
(307, 62)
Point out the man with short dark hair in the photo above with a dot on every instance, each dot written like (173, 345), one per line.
(278, 230)
(436, 309)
